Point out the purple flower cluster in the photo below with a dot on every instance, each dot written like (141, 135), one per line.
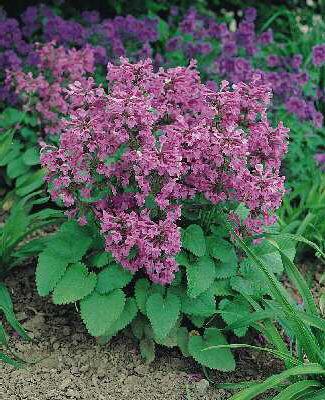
(240, 57)
(110, 39)
(44, 96)
(319, 55)
(154, 140)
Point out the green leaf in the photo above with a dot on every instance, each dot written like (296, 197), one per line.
(113, 277)
(232, 311)
(225, 269)
(147, 349)
(100, 260)
(116, 156)
(171, 339)
(221, 359)
(28, 183)
(31, 248)
(193, 240)
(203, 305)
(62, 249)
(10, 116)
(197, 320)
(16, 168)
(137, 326)
(5, 299)
(127, 316)
(221, 249)
(141, 294)
(71, 242)
(270, 255)
(29, 134)
(163, 29)
(182, 259)
(251, 282)
(274, 380)
(242, 211)
(6, 307)
(163, 313)
(200, 276)
(9, 150)
(221, 287)
(99, 312)
(297, 389)
(49, 271)
(182, 340)
(75, 284)
(5, 143)
(31, 156)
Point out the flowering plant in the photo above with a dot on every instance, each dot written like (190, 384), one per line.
(144, 169)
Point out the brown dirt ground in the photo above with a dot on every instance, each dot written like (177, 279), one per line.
(76, 367)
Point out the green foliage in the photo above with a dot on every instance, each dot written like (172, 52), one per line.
(305, 328)
(193, 240)
(62, 249)
(99, 312)
(19, 152)
(200, 276)
(303, 212)
(16, 243)
(6, 308)
(112, 277)
(199, 348)
(163, 313)
(75, 284)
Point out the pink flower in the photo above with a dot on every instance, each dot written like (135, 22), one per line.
(157, 139)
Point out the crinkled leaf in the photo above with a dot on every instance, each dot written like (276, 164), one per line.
(67, 246)
(193, 240)
(141, 294)
(128, 314)
(221, 287)
(163, 313)
(113, 277)
(221, 249)
(49, 271)
(75, 284)
(221, 359)
(232, 311)
(31, 156)
(270, 255)
(203, 305)
(16, 168)
(182, 340)
(100, 260)
(99, 312)
(200, 276)
(225, 269)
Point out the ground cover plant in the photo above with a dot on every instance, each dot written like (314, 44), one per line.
(183, 154)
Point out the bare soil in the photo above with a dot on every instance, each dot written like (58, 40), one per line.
(74, 366)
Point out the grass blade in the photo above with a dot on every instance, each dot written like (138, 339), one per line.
(297, 389)
(275, 380)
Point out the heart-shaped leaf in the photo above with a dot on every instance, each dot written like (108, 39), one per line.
(99, 312)
(200, 276)
(141, 293)
(193, 240)
(163, 313)
(113, 277)
(75, 284)
(221, 359)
